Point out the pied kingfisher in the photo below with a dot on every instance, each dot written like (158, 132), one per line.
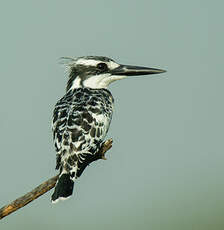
(82, 117)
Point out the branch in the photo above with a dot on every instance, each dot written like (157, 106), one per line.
(45, 186)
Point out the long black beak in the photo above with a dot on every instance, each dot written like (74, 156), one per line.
(129, 70)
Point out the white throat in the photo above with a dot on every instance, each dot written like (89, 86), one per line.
(96, 82)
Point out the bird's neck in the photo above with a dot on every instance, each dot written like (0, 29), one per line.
(94, 82)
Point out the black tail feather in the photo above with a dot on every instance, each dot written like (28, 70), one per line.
(63, 188)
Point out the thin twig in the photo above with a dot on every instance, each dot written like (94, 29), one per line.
(44, 187)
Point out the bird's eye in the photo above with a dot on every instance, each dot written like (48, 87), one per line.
(102, 66)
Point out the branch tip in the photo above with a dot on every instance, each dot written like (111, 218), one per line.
(44, 187)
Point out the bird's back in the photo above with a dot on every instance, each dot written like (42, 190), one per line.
(80, 122)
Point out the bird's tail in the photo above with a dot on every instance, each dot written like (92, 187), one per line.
(63, 189)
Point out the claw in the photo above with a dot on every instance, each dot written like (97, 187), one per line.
(105, 147)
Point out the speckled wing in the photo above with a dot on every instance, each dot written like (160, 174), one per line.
(80, 122)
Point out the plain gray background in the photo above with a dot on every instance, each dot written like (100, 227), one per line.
(165, 170)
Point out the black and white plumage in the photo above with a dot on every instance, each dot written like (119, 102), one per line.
(82, 117)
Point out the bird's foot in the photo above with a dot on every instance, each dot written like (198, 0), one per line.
(104, 148)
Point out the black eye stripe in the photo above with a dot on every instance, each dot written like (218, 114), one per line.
(102, 66)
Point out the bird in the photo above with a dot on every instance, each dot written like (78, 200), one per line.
(82, 117)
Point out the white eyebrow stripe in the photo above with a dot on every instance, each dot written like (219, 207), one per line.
(112, 65)
(91, 62)
(86, 62)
